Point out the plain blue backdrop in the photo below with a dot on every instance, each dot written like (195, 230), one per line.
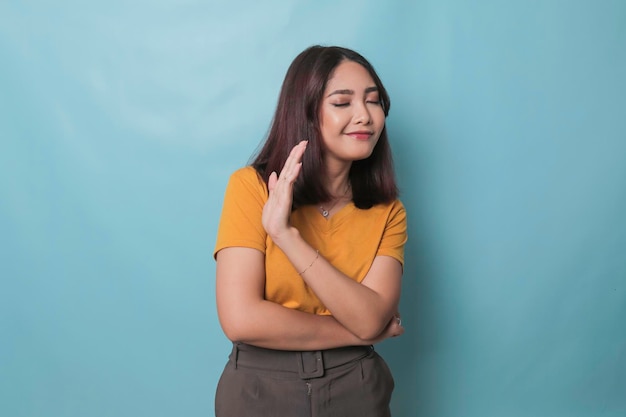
(121, 121)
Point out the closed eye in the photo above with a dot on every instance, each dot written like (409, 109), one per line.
(372, 98)
(341, 104)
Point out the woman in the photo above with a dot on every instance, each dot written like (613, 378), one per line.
(310, 250)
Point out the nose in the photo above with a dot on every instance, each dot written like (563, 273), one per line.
(362, 114)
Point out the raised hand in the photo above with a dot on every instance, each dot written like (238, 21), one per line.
(277, 209)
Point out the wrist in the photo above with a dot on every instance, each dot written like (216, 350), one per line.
(287, 238)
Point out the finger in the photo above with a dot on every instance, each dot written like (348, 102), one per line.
(283, 190)
(291, 169)
(271, 182)
(296, 170)
(297, 157)
(292, 160)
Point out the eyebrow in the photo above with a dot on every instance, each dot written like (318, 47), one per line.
(350, 92)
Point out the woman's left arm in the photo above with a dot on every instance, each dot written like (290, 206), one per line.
(364, 308)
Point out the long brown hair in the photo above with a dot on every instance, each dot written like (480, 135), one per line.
(297, 118)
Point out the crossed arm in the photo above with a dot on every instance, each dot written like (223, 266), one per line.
(247, 317)
(362, 313)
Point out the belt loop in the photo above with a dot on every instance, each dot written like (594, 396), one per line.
(235, 354)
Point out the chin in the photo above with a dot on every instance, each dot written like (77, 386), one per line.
(361, 156)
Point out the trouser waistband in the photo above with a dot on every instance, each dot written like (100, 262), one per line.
(307, 364)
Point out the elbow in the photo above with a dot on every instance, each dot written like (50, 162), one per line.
(237, 333)
(239, 322)
(231, 333)
(233, 329)
(370, 331)
(240, 326)
(372, 327)
(366, 335)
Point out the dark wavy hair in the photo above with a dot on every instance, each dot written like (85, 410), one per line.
(297, 118)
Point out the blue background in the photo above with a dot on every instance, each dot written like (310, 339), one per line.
(121, 121)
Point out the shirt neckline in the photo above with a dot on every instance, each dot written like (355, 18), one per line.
(324, 224)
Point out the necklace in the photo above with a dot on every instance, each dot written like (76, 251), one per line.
(326, 212)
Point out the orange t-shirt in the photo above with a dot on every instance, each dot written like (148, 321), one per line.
(349, 240)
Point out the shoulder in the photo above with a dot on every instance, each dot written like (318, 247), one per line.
(240, 221)
(248, 175)
(393, 209)
(395, 232)
(247, 179)
(397, 209)
(393, 217)
(396, 206)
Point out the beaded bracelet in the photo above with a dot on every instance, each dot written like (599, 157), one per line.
(317, 255)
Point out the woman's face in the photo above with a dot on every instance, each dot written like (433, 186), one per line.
(351, 117)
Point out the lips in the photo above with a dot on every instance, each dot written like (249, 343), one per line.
(360, 135)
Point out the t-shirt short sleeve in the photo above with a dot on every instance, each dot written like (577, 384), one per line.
(240, 223)
(395, 234)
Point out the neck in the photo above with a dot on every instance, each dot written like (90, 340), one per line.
(340, 193)
(338, 182)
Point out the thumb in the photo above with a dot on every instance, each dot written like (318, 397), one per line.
(272, 180)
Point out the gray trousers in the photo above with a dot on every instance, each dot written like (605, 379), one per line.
(345, 382)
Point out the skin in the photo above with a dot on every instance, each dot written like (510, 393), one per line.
(351, 121)
(362, 313)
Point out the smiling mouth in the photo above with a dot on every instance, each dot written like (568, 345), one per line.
(361, 135)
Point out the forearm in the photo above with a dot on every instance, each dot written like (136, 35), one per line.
(270, 325)
(247, 317)
(361, 309)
